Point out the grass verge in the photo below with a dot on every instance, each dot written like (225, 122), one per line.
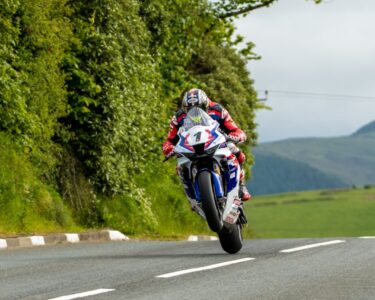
(326, 213)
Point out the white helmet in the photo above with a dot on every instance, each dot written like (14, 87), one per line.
(194, 98)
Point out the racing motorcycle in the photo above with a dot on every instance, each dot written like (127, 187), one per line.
(211, 174)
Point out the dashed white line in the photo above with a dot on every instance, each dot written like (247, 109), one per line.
(312, 246)
(367, 237)
(84, 294)
(210, 267)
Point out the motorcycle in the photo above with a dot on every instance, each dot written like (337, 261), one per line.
(212, 176)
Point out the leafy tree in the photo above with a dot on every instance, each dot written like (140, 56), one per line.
(90, 86)
(12, 101)
(32, 91)
(234, 8)
(112, 90)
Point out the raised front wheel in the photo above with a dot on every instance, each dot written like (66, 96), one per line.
(209, 204)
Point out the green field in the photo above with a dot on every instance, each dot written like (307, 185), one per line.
(325, 213)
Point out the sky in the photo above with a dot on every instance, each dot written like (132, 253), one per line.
(326, 49)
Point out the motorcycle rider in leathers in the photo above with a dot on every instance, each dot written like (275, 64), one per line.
(198, 98)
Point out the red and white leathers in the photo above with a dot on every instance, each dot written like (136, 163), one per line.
(227, 125)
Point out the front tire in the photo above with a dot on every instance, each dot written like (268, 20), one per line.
(208, 202)
(231, 238)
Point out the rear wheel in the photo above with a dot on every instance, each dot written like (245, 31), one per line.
(209, 204)
(231, 238)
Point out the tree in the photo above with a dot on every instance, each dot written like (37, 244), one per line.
(233, 8)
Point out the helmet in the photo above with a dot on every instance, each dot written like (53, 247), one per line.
(194, 98)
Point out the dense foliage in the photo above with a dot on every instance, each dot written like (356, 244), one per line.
(87, 89)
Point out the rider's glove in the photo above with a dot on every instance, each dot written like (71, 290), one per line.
(168, 149)
(170, 154)
(234, 138)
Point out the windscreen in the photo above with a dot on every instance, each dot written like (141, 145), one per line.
(196, 116)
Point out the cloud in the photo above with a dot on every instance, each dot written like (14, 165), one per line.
(326, 48)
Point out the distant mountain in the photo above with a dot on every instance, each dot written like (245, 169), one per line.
(369, 128)
(314, 163)
(275, 174)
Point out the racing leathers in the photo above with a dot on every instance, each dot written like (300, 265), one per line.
(226, 124)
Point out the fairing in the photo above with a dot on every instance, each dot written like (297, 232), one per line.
(200, 129)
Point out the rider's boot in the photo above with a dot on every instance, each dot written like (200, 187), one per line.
(244, 193)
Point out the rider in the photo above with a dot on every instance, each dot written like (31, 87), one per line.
(198, 98)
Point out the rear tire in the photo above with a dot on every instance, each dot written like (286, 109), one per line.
(231, 238)
(209, 205)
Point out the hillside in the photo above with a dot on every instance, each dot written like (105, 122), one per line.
(289, 175)
(345, 160)
(369, 128)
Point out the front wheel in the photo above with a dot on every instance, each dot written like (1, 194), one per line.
(231, 238)
(209, 204)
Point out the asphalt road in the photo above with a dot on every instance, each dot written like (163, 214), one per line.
(344, 269)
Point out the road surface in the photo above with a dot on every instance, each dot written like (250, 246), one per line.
(337, 268)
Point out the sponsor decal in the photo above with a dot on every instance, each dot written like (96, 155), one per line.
(233, 213)
(229, 220)
(192, 101)
(196, 119)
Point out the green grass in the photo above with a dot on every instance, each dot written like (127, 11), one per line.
(327, 213)
(168, 211)
(170, 205)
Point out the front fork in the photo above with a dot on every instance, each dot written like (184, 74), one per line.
(225, 182)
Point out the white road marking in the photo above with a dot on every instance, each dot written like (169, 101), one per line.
(82, 295)
(210, 267)
(312, 246)
(37, 240)
(192, 238)
(72, 237)
(196, 238)
(3, 244)
(115, 235)
(367, 237)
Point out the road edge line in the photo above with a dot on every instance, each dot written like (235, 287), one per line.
(61, 238)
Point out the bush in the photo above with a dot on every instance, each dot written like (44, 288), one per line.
(26, 204)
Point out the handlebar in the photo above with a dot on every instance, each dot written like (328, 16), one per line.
(169, 157)
(227, 137)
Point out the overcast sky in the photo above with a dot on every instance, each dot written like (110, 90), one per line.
(328, 49)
